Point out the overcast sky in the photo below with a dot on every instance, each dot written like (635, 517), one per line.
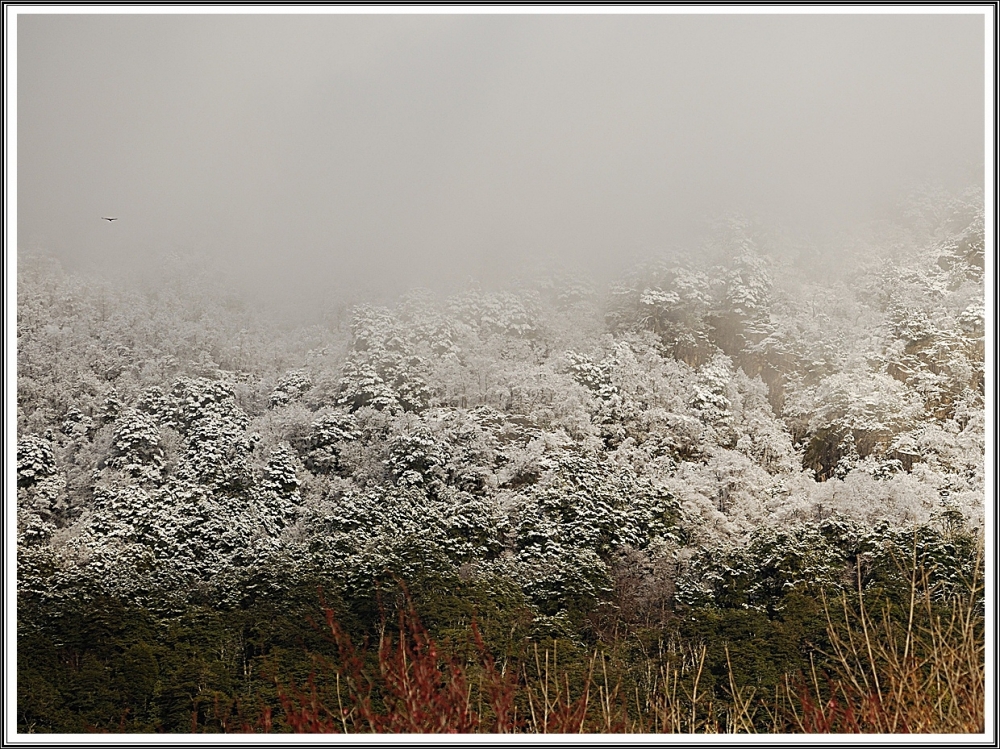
(312, 150)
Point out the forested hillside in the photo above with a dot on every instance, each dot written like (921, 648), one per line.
(693, 451)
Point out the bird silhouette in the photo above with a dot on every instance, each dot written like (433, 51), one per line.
(109, 219)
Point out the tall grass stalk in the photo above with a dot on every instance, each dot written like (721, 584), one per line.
(924, 674)
(919, 668)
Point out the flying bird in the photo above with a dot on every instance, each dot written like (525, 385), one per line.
(109, 219)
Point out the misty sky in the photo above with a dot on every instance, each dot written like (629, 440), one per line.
(314, 150)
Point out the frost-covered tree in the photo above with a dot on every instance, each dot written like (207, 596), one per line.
(290, 388)
(382, 372)
(135, 446)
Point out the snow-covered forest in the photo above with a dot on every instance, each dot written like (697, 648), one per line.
(718, 429)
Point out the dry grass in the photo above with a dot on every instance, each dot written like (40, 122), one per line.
(920, 672)
(924, 674)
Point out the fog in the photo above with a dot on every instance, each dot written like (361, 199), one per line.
(304, 153)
